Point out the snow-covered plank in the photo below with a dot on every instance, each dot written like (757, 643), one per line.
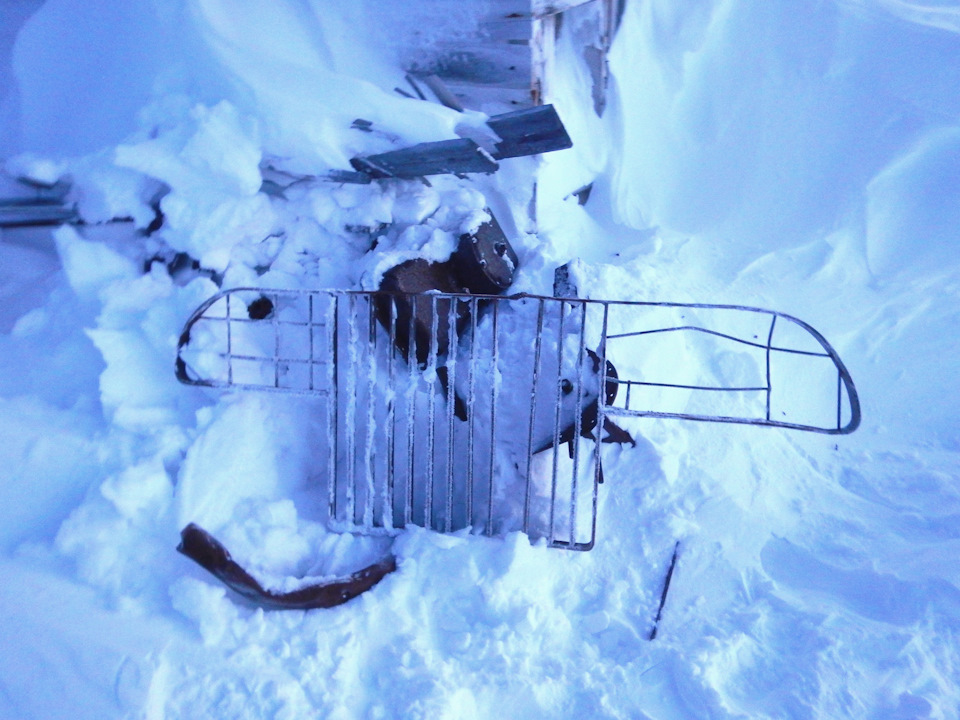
(436, 158)
(529, 132)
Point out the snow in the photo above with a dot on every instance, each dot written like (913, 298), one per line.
(797, 156)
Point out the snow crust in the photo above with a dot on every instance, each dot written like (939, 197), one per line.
(798, 156)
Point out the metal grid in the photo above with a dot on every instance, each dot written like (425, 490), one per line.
(465, 411)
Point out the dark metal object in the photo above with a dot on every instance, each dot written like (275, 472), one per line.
(205, 550)
(485, 261)
(666, 589)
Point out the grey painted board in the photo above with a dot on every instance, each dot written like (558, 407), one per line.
(435, 158)
(29, 214)
(529, 132)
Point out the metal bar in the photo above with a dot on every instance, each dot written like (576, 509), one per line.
(391, 425)
(695, 328)
(839, 399)
(431, 415)
(229, 344)
(494, 395)
(601, 417)
(275, 323)
(769, 388)
(538, 342)
(451, 404)
(578, 421)
(678, 386)
(759, 422)
(333, 404)
(369, 510)
(350, 419)
(310, 332)
(556, 428)
(411, 412)
(471, 404)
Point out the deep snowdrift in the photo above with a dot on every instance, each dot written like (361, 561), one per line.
(803, 157)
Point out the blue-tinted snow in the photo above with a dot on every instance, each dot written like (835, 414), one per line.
(800, 156)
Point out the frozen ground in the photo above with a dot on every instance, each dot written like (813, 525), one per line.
(798, 156)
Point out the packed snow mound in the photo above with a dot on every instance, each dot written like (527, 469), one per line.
(803, 159)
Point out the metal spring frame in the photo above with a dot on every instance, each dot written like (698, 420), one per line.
(397, 454)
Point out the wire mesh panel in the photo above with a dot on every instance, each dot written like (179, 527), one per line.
(442, 411)
(467, 411)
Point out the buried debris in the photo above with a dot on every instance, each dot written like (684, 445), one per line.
(205, 550)
(666, 589)
(520, 133)
(434, 158)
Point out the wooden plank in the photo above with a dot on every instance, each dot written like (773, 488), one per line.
(491, 64)
(529, 132)
(435, 158)
(442, 92)
(16, 213)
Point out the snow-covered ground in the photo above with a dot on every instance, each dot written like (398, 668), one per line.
(801, 156)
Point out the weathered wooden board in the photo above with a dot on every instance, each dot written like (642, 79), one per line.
(436, 158)
(530, 131)
(28, 213)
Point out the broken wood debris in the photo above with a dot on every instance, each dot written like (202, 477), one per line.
(434, 158)
(442, 92)
(532, 131)
(20, 212)
(524, 132)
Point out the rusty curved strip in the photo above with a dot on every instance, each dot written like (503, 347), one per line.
(208, 552)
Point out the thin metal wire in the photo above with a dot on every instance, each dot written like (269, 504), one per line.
(370, 506)
(431, 416)
(534, 385)
(333, 406)
(229, 344)
(578, 421)
(274, 320)
(351, 410)
(391, 425)
(471, 404)
(451, 407)
(769, 387)
(494, 395)
(556, 427)
(734, 338)
(411, 413)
